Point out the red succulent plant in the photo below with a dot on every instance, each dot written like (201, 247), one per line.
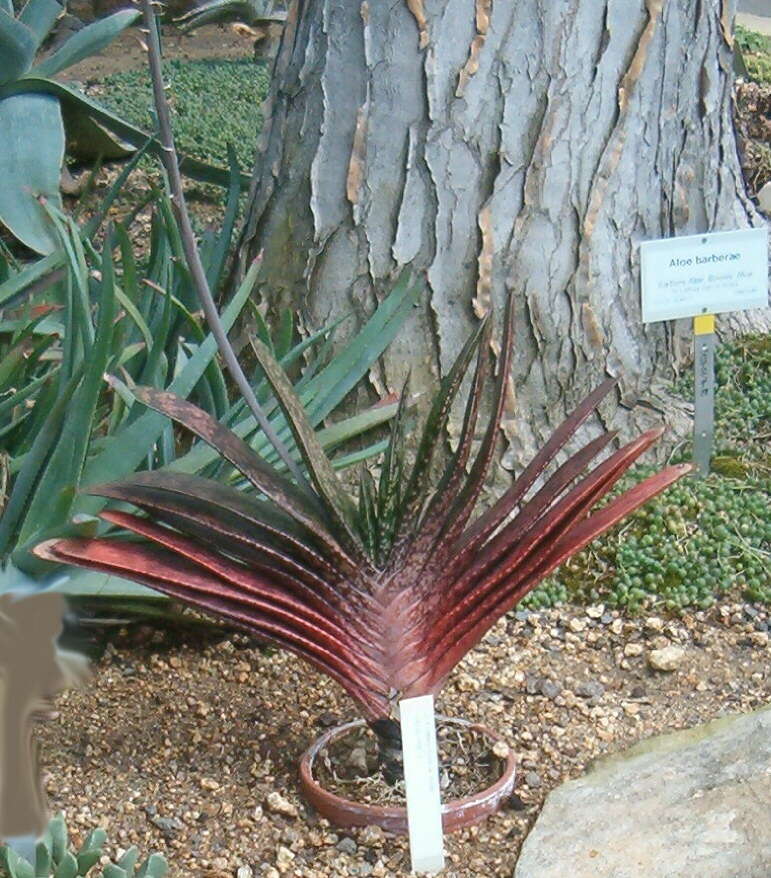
(388, 594)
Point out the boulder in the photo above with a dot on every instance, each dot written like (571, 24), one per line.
(696, 803)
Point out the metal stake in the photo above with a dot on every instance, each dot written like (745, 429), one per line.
(704, 398)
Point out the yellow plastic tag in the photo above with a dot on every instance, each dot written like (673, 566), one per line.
(703, 324)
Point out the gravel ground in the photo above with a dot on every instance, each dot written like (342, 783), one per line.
(190, 744)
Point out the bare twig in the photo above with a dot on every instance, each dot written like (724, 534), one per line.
(170, 162)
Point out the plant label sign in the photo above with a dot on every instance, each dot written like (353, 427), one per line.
(421, 781)
(704, 274)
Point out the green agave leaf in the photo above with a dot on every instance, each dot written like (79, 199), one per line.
(79, 582)
(39, 16)
(190, 167)
(319, 467)
(86, 42)
(332, 384)
(87, 140)
(28, 174)
(33, 464)
(123, 452)
(53, 494)
(17, 47)
(49, 269)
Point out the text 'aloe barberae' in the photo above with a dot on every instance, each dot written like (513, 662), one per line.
(388, 594)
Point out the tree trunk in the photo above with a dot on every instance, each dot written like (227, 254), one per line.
(521, 148)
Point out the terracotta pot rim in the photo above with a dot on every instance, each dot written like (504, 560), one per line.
(456, 814)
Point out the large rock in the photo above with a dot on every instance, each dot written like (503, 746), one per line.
(692, 803)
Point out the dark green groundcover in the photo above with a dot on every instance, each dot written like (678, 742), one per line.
(214, 102)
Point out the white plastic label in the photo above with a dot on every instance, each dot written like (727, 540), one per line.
(704, 274)
(421, 779)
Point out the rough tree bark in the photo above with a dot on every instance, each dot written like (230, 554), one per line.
(502, 147)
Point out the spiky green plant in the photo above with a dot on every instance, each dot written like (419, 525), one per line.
(36, 106)
(55, 859)
(26, 113)
(62, 426)
(388, 594)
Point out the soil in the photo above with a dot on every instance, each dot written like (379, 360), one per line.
(351, 766)
(190, 744)
(128, 52)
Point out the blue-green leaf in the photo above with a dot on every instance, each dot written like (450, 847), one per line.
(86, 42)
(17, 47)
(40, 16)
(28, 174)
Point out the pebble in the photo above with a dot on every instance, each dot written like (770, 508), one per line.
(372, 836)
(632, 650)
(516, 803)
(244, 872)
(759, 638)
(550, 689)
(347, 846)
(595, 612)
(667, 659)
(533, 780)
(284, 858)
(279, 805)
(590, 689)
(501, 749)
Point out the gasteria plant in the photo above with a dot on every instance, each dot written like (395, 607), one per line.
(385, 595)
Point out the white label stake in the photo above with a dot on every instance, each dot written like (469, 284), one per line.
(421, 779)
